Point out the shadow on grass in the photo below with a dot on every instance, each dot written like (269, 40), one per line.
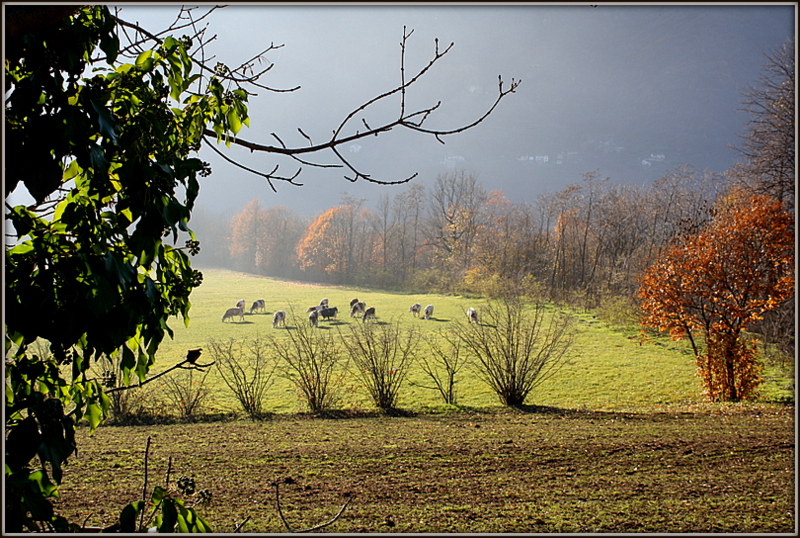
(161, 420)
(344, 414)
(576, 413)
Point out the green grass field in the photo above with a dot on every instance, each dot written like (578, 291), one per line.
(620, 440)
(608, 369)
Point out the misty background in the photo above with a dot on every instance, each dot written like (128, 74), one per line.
(627, 91)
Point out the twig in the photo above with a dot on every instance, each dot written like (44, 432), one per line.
(144, 485)
(83, 525)
(314, 528)
(337, 516)
(280, 512)
(169, 471)
(239, 526)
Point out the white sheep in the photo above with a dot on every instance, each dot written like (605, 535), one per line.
(233, 313)
(259, 305)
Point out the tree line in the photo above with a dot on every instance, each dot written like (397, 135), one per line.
(591, 239)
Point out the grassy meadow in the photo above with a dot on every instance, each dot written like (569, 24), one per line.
(608, 368)
(619, 440)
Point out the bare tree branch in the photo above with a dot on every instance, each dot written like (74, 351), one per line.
(410, 120)
(269, 176)
(310, 529)
(183, 365)
(245, 75)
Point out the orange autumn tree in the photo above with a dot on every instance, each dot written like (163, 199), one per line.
(336, 244)
(710, 285)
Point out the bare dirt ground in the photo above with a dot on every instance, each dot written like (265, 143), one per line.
(540, 470)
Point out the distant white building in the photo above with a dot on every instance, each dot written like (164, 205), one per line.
(355, 148)
(452, 161)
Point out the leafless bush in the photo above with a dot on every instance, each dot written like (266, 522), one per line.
(186, 391)
(516, 346)
(248, 371)
(382, 354)
(312, 362)
(442, 365)
(129, 403)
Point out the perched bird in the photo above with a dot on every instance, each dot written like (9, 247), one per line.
(193, 355)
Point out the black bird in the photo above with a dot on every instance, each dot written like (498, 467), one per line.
(193, 355)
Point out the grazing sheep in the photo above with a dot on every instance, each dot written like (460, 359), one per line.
(359, 307)
(234, 312)
(313, 318)
(369, 313)
(415, 309)
(240, 304)
(315, 308)
(324, 303)
(258, 306)
(472, 315)
(354, 301)
(279, 318)
(328, 313)
(428, 311)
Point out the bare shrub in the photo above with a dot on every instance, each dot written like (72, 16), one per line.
(517, 346)
(442, 365)
(129, 403)
(312, 362)
(247, 370)
(382, 354)
(186, 391)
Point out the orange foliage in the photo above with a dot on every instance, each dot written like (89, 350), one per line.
(336, 243)
(718, 281)
(315, 249)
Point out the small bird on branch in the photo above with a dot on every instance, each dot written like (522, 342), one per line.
(193, 355)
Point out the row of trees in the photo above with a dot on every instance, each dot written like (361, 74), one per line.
(589, 239)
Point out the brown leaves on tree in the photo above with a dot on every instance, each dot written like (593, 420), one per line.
(716, 282)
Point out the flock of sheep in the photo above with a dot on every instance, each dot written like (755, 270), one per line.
(322, 310)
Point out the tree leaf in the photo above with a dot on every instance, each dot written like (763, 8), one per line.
(145, 61)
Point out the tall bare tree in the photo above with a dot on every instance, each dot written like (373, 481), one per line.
(769, 144)
(454, 217)
(408, 210)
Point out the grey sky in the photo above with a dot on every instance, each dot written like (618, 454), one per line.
(605, 88)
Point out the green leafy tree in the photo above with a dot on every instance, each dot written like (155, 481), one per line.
(105, 136)
(107, 160)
